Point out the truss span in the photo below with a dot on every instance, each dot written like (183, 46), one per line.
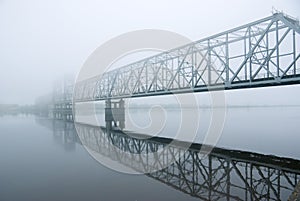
(259, 54)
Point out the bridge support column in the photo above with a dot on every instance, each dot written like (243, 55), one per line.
(115, 114)
(63, 111)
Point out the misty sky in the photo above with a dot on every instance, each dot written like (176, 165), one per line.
(42, 40)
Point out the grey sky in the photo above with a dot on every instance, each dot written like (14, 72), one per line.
(42, 40)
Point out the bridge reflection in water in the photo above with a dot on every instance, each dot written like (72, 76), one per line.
(223, 175)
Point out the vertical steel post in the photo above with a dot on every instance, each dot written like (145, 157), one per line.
(267, 49)
(245, 54)
(209, 63)
(277, 49)
(227, 61)
(250, 58)
(294, 52)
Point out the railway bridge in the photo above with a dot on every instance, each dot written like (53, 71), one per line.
(258, 54)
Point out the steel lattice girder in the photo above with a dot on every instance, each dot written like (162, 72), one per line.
(258, 54)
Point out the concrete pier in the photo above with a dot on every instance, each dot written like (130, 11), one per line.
(115, 114)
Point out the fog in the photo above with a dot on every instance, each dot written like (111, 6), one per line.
(43, 40)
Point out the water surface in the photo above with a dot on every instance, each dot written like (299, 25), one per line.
(42, 159)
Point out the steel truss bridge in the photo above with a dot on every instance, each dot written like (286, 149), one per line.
(259, 54)
(223, 175)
